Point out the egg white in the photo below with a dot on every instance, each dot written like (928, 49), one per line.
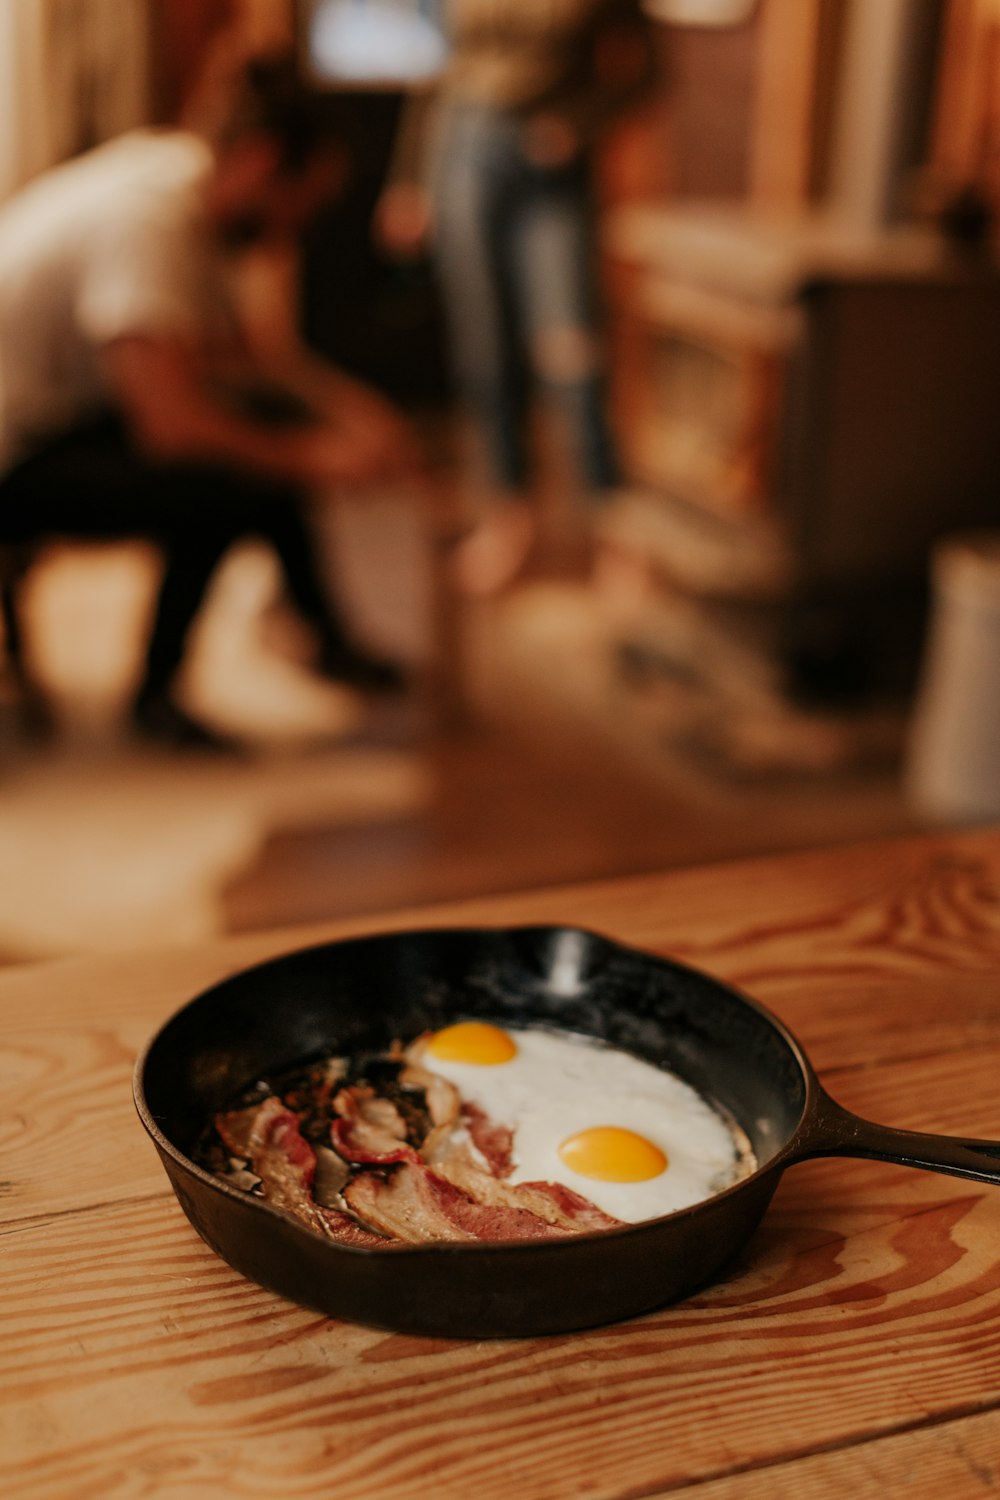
(559, 1084)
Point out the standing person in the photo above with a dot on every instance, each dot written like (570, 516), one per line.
(132, 404)
(530, 91)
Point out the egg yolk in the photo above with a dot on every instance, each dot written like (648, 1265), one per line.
(472, 1042)
(609, 1153)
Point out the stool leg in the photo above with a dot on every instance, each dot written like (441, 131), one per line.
(34, 709)
(14, 570)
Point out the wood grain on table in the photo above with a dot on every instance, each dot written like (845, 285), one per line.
(852, 1348)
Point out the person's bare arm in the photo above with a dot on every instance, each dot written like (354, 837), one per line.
(268, 282)
(168, 404)
(342, 400)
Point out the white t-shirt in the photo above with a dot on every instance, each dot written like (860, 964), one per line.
(112, 243)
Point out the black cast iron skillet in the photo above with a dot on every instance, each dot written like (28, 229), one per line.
(364, 993)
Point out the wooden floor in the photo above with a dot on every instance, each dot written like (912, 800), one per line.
(522, 759)
(557, 772)
(506, 815)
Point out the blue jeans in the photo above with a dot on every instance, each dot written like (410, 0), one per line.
(514, 246)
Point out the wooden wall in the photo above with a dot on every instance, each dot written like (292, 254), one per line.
(745, 111)
(749, 111)
(966, 133)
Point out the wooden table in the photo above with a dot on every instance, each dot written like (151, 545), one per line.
(853, 1350)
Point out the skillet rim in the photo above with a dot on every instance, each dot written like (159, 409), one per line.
(785, 1156)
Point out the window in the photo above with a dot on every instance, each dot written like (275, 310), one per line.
(372, 41)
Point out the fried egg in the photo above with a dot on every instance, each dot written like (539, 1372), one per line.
(634, 1139)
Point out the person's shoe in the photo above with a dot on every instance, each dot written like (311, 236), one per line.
(359, 669)
(156, 718)
(495, 554)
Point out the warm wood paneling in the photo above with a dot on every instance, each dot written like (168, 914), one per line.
(798, 57)
(966, 131)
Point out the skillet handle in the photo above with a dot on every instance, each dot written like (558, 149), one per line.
(830, 1130)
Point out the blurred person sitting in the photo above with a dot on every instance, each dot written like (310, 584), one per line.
(507, 200)
(132, 402)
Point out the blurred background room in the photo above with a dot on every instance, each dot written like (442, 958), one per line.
(779, 628)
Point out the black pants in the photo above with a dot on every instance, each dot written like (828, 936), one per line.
(94, 483)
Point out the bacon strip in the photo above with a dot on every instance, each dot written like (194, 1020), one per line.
(560, 1205)
(269, 1135)
(244, 1131)
(494, 1142)
(550, 1201)
(369, 1129)
(414, 1204)
(442, 1102)
(284, 1161)
(347, 1231)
